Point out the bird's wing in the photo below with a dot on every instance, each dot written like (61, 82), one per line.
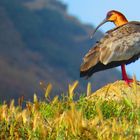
(118, 44)
(121, 43)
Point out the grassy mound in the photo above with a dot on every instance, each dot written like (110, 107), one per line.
(112, 112)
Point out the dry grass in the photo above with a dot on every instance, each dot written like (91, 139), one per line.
(112, 112)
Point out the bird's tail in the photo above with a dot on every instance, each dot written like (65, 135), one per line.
(89, 62)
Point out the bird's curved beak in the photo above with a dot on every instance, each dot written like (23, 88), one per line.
(103, 22)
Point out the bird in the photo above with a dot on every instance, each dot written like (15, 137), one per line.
(118, 47)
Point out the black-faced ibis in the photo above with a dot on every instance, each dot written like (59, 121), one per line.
(118, 47)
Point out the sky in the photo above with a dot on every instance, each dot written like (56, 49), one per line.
(94, 11)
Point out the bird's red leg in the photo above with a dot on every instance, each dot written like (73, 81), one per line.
(124, 75)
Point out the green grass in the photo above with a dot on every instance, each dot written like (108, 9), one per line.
(113, 112)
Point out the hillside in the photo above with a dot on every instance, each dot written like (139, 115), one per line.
(111, 113)
(42, 44)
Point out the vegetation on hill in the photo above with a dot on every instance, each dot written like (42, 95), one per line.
(113, 112)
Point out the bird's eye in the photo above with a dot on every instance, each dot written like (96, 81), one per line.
(109, 14)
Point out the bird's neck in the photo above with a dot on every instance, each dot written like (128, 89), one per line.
(120, 20)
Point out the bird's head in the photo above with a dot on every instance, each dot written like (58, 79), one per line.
(116, 17)
(113, 16)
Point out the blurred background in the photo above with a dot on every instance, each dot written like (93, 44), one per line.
(45, 40)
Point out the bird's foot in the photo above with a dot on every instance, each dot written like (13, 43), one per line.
(128, 81)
